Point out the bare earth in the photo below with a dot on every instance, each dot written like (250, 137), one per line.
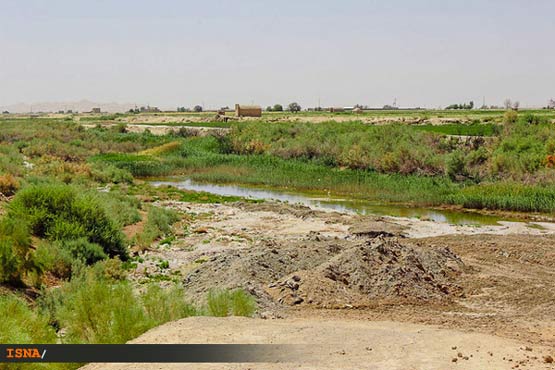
(345, 344)
(370, 292)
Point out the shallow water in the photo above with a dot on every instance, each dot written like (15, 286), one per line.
(335, 203)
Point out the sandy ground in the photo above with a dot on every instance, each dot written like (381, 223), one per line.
(409, 289)
(346, 344)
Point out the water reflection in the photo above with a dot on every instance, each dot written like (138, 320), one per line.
(337, 204)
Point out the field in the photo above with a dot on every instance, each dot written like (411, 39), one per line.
(88, 248)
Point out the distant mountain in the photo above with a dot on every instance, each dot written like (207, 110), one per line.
(79, 106)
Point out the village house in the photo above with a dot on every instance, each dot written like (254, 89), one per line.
(248, 110)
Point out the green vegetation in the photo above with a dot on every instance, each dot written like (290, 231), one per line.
(68, 194)
(473, 129)
(21, 324)
(158, 224)
(222, 303)
(61, 213)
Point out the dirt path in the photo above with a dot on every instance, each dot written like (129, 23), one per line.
(346, 344)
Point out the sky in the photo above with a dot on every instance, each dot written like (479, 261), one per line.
(170, 53)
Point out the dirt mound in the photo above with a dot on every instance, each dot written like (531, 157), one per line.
(380, 270)
(329, 272)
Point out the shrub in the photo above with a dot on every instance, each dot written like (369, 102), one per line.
(60, 212)
(533, 119)
(99, 311)
(107, 173)
(456, 165)
(84, 250)
(16, 257)
(137, 165)
(510, 116)
(223, 302)
(242, 303)
(174, 305)
(8, 184)
(96, 309)
(52, 258)
(158, 224)
(20, 324)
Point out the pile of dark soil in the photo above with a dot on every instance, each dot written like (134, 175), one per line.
(327, 272)
(379, 271)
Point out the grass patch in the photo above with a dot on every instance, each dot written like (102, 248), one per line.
(158, 224)
(221, 303)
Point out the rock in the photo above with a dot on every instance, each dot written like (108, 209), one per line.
(454, 359)
(548, 359)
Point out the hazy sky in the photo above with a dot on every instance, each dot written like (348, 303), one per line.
(170, 52)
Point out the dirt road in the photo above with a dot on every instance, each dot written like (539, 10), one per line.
(346, 344)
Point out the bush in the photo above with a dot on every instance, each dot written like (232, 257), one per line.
(99, 311)
(16, 257)
(456, 166)
(158, 224)
(54, 259)
(95, 308)
(84, 250)
(60, 212)
(221, 303)
(174, 306)
(8, 185)
(20, 324)
(511, 116)
(137, 165)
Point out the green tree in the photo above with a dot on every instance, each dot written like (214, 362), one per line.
(294, 107)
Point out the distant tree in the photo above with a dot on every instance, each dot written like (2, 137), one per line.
(269, 108)
(471, 105)
(516, 105)
(551, 104)
(508, 104)
(197, 108)
(278, 108)
(294, 107)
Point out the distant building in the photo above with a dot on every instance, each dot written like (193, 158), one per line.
(96, 110)
(337, 109)
(248, 110)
